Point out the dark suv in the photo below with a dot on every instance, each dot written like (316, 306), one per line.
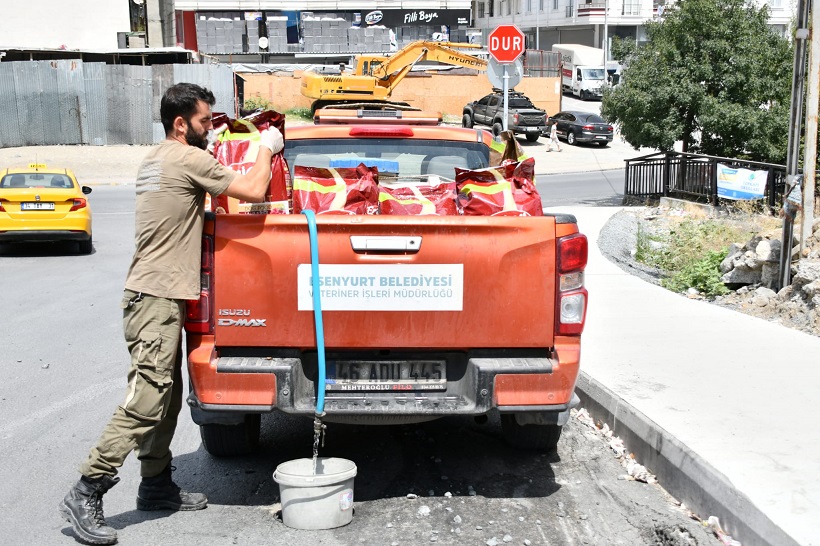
(524, 118)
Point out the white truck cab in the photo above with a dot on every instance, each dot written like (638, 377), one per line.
(583, 73)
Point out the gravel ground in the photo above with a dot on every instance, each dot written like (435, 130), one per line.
(617, 241)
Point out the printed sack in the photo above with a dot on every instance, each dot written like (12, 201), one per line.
(336, 191)
(418, 199)
(506, 189)
(237, 147)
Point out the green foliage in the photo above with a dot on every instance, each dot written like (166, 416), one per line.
(713, 75)
(301, 113)
(702, 274)
(257, 103)
(691, 253)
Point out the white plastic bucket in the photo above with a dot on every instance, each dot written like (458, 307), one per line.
(321, 501)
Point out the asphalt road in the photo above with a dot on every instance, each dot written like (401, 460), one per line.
(64, 362)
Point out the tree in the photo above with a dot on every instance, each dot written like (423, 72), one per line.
(713, 75)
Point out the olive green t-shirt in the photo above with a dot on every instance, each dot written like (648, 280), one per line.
(171, 185)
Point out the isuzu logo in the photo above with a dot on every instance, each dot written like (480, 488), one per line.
(238, 321)
(234, 312)
(241, 322)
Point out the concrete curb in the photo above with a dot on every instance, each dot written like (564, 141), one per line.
(682, 472)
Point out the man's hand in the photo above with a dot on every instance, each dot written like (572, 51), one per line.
(272, 139)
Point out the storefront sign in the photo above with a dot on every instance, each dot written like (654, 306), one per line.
(414, 17)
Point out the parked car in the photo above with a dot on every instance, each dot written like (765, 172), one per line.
(42, 204)
(523, 117)
(582, 127)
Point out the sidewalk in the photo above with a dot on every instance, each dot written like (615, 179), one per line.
(718, 404)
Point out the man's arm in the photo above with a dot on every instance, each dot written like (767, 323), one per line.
(253, 185)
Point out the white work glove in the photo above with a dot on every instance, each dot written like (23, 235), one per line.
(272, 139)
(213, 137)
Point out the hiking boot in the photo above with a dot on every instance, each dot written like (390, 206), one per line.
(83, 509)
(161, 493)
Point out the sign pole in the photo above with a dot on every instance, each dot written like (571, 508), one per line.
(506, 96)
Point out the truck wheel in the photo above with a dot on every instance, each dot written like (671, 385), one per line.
(571, 138)
(531, 437)
(532, 138)
(467, 121)
(232, 440)
(497, 129)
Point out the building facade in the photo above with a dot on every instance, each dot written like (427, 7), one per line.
(276, 29)
(589, 22)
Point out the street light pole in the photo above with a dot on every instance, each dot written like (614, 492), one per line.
(537, 30)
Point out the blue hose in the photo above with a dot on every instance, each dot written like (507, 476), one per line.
(317, 310)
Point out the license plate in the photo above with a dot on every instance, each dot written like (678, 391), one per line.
(37, 205)
(601, 137)
(386, 375)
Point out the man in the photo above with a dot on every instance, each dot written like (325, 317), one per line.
(171, 186)
(554, 137)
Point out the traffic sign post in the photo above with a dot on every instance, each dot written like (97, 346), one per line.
(505, 45)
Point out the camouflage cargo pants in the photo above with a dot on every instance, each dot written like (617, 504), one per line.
(146, 420)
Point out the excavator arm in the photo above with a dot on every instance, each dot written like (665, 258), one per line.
(444, 52)
(376, 83)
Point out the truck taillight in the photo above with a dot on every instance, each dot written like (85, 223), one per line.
(515, 119)
(571, 306)
(199, 318)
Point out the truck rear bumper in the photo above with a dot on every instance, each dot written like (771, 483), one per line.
(239, 385)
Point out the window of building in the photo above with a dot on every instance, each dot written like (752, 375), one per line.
(632, 7)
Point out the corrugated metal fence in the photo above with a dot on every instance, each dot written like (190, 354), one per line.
(72, 102)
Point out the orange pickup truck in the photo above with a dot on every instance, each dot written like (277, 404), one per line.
(424, 316)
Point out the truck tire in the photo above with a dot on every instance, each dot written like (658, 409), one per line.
(497, 129)
(232, 440)
(530, 437)
(467, 121)
(532, 138)
(571, 138)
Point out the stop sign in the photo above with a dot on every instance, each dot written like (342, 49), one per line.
(505, 43)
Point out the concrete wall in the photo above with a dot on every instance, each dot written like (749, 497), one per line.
(90, 24)
(437, 92)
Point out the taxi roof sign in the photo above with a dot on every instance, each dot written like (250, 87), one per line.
(37, 166)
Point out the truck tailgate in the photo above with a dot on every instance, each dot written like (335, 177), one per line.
(456, 283)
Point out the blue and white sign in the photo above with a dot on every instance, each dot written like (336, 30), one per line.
(740, 184)
(383, 287)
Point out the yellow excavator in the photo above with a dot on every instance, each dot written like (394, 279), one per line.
(373, 77)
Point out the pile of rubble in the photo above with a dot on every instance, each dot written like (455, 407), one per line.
(751, 271)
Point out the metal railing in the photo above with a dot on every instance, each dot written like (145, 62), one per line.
(692, 177)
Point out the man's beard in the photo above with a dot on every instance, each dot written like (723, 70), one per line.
(195, 139)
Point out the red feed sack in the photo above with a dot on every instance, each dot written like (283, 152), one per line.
(237, 149)
(343, 190)
(410, 200)
(507, 189)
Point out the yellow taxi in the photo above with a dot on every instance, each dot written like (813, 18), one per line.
(42, 204)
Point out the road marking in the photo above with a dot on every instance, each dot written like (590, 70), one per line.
(82, 397)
